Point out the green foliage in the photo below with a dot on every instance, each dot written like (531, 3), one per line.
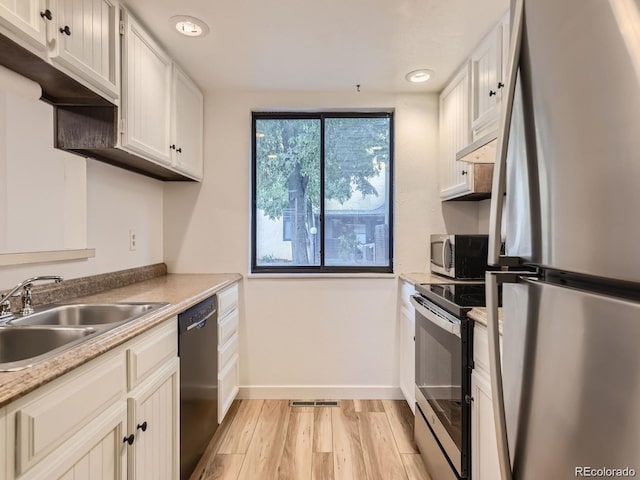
(288, 157)
(288, 147)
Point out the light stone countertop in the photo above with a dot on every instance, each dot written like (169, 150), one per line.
(180, 291)
(479, 314)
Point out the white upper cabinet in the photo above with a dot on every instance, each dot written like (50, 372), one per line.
(146, 94)
(488, 68)
(84, 42)
(454, 134)
(186, 124)
(26, 21)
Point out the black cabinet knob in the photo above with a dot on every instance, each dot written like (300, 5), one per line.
(464, 172)
(172, 146)
(66, 30)
(129, 439)
(500, 85)
(468, 399)
(179, 150)
(491, 93)
(46, 14)
(142, 426)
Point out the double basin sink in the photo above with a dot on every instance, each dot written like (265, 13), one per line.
(25, 341)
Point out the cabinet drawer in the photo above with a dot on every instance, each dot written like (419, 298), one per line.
(481, 349)
(406, 290)
(227, 326)
(57, 413)
(150, 352)
(227, 351)
(227, 299)
(228, 380)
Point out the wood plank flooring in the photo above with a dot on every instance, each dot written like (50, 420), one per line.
(269, 440)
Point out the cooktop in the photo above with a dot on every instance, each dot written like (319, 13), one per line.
(457, 298)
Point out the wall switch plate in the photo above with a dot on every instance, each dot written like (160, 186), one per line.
(132, 240)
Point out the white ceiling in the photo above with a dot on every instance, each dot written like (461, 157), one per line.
(321, 45)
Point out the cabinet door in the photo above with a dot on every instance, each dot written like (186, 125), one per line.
(408, 355)
(85, 42)
(454, 135)
(486, 68)
(97, 453)
(153, 411)
(146, 92)
(186, 124)
(484, 450)
(22, 20)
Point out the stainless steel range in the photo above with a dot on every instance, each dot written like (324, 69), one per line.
(444, 361)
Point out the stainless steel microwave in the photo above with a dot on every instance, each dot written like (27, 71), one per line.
(459, 256)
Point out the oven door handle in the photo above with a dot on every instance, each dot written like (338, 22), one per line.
(434, 318)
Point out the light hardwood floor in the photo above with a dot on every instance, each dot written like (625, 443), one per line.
(268, 440)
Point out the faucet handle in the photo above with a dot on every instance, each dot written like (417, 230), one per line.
(27, 298)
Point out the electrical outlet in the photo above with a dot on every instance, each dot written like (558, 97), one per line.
(132, 240)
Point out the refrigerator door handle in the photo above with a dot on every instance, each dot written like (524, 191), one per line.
(495, 370)
(498, 186)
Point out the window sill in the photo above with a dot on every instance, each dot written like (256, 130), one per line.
(304, 276)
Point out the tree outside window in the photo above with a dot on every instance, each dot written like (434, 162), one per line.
(322, 192)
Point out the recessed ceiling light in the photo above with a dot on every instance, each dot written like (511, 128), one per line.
(419, 76)
(189, 26)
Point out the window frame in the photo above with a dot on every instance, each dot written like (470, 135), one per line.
(322, 116)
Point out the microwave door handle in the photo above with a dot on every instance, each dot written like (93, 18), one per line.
(446, 245)
(498, 187)
(453, 328)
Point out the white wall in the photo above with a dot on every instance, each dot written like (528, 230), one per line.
(115, 201)
(313, 336)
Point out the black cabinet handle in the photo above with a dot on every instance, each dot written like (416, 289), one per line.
(179, 150)
(500, 84)
(464, 172)
(66, 30)
(142, 426)
(491, 93)
(129, 439)
(468, 399)
(46, 14)
(172, 146)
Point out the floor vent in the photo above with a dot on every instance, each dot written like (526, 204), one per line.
(314, 403)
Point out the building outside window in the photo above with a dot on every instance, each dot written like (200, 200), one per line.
(322, 192)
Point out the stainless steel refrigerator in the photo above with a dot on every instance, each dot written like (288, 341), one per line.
(566, 202)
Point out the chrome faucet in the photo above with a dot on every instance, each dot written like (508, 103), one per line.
(27, 309)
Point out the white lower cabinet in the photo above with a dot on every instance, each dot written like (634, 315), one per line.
(97, 453)
(228, 349)
(407, 316)
(484, 450)
(154, 422)
(84, 425)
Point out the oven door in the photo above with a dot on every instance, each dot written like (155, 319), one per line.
(440, 383)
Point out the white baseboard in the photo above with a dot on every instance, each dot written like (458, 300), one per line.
(320, 392)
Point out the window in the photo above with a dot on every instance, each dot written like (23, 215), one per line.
(322, 192)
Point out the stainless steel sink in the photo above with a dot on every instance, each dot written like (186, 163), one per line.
(87, 314)
(52, 329)
(22, 347)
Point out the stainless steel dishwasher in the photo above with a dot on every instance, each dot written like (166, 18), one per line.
(197, 348)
